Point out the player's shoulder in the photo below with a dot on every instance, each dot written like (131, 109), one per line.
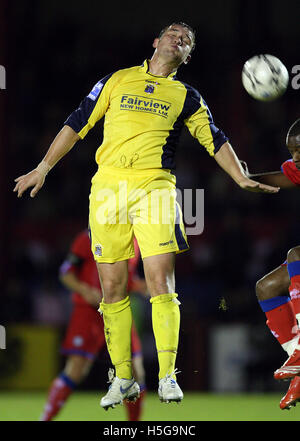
(110, 80)
(192, 92)
(290, 170)
(193, 99)
(289, 165)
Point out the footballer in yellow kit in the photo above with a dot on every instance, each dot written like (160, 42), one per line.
(134, 193)
(144, 116)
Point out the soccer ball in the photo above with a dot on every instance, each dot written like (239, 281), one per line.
(265, 77)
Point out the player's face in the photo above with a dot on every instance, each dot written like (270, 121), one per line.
(295, 152)
(176, 42)
(293, 144)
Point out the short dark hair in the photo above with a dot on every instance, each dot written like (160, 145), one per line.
(184, 25)
(293, 135)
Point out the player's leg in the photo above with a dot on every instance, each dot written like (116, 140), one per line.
(272, 294)
(76, 369)
(134, 410)
(160, 278)
(117, 318)
(80, 346)
(112, 246)
(160, 235)
(292, 365)
(138, 369)
(117, 315)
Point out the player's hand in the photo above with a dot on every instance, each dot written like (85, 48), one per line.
(32, 179)
(257, 187)
(92, 295)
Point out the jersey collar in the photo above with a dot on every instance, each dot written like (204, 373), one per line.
(145, 68)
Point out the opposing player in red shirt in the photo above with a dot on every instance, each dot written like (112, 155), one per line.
(85, 334)
(283, 310)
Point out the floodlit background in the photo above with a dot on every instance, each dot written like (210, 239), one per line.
(54, 52)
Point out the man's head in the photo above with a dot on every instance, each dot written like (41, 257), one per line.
(176, 41)
(293, 142)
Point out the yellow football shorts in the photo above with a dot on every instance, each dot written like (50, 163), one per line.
(141, 203)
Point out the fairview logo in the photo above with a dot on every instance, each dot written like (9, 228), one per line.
(142, 104)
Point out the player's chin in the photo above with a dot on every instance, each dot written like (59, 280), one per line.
(175, 53)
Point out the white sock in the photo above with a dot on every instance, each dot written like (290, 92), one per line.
(290, 345)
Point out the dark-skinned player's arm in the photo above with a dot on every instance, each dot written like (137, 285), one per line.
(61, 145)
(229, 162)
(274, 178)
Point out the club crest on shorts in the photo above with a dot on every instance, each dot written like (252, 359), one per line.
(98, 250)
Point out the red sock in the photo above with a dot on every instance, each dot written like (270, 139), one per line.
(282, 322)
(134, 410)
(280, 318)
(59, 391)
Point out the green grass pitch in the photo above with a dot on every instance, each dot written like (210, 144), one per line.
(84, 406)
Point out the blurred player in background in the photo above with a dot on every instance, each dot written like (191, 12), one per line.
(278, 292)
(85, 334)
(145, 109)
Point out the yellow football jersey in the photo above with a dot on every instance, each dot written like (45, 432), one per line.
(144, 116)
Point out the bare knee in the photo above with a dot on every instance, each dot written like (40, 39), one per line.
(274, 284)
(260, 289)
(158, 286)
(113, 279)
(160, 274)
(293, 254)
(266, 288)
(113, 290)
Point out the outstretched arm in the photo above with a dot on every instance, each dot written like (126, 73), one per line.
(229, 162)
(61, 145)
(276, 178)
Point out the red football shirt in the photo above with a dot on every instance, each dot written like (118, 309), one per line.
(291, 172)
(80, 261)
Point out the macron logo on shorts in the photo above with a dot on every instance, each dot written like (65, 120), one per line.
(162, 244)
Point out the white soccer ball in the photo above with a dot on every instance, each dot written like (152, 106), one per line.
(265, 77)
